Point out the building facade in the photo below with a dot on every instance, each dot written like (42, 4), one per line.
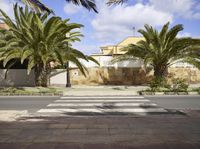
(126, 72)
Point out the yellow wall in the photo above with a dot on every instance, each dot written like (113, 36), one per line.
(130, 40)
(117, 49)
(4, 26)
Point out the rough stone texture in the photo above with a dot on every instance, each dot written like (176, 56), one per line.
(191, 75)
(129, 76)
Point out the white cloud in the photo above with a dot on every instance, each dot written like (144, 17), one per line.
(117, 22)
(184, 34)
(70, 8)
(7, 7)
(183, 8)
(86, 48)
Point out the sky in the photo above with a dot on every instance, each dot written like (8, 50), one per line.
(115, 23)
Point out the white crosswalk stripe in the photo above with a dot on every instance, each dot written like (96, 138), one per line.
(100, 101)
(102, 97)
(97, 104)
(67, 106)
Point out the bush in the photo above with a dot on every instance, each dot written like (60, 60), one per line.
(196, 90)
(159, 84)
(179, 85)
(8, 90)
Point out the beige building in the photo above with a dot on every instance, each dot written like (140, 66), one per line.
(3, 26)
(112, 50)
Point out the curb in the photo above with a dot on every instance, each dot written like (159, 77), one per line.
(33, 94)
(168, 93)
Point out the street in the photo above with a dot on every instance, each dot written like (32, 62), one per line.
(111, 122)
(33, 104)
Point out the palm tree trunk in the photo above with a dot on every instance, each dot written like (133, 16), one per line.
(42, 75)
(161, 71)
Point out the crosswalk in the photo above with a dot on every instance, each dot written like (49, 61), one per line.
(111, 105)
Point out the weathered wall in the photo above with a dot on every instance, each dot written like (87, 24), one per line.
(97, 76)
(129, 76)
(110, 76)
(191, 75)
(58, 77)
(16, 77)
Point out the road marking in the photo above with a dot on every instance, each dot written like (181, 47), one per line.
(106, 97)
(136, 110)
(105, 100)
(99, 104)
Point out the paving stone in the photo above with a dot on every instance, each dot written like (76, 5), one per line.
(68, 146)
(61, 126)
(13, 145)
(42, 146)
(76, 131)
(149, 132)
(25, 135)
(121, 146)
(73, 138)
(97, 132)
(97, 126)
(98, 139)
(96, 146)
(181, 145)
(4, 138)
(121, 131)
(115, 125)
(77, 126)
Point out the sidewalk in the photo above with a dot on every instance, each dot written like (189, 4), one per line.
(100, 132)
(84, 90)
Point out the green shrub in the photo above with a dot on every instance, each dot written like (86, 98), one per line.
(159, 84)
(8, 90)
(179, 85)
(197, 90)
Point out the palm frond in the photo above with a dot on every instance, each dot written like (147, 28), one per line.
(111, 2)
(88, 4)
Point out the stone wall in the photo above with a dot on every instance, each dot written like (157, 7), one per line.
(129, 76)
(16, 77)
(110, 76)
(191, 75)
(97, 76)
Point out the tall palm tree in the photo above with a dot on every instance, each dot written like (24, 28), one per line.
(39, 6)
(194, 57)
(161, 49)
(40, 40)
(88, 4)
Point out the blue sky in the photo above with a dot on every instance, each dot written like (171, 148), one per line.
(114, 23)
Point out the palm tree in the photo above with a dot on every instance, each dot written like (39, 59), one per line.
(88, 4)
(40, 40)
(194, 57)
(39, 6)
(161, 49)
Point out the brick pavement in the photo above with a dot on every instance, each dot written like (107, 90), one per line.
(172, 131)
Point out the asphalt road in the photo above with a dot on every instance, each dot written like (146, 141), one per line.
(33, 104)
(177, 102)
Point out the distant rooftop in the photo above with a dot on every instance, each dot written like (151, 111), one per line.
(116, 49)
(3, 26)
